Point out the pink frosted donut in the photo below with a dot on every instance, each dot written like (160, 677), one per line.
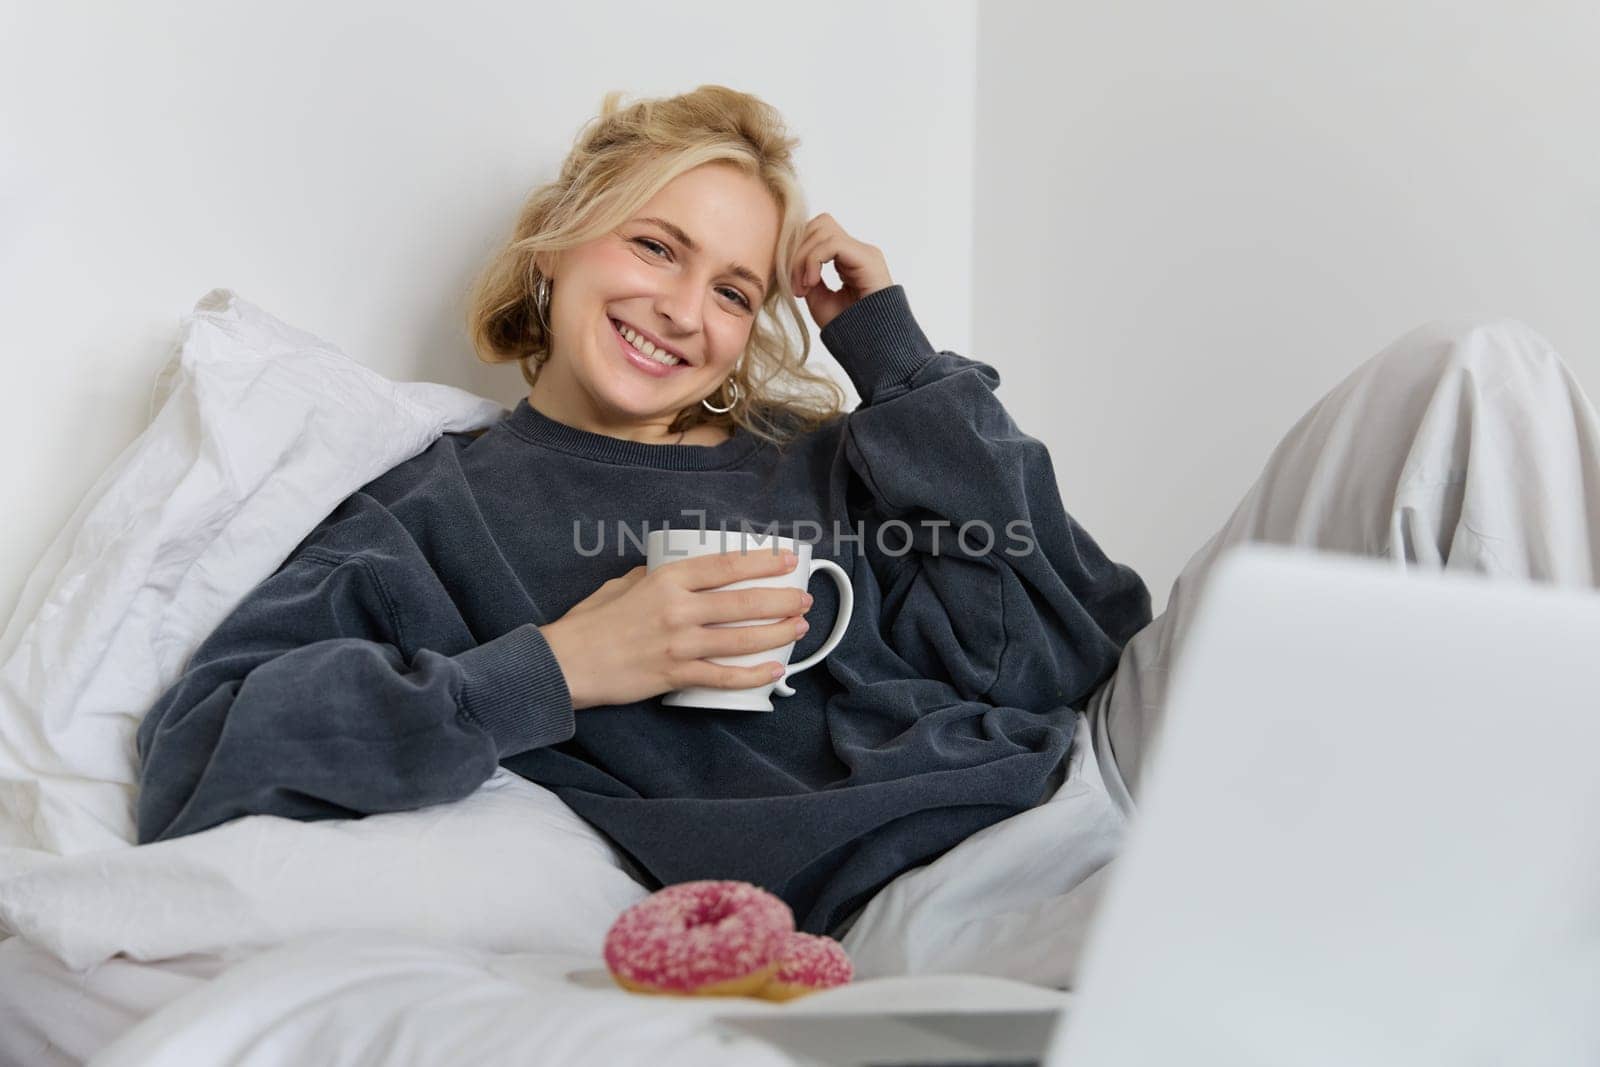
(699, 939)
(808, 963)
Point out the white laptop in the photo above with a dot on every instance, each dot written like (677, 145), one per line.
(1370, 835)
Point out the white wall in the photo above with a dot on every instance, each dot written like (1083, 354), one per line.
(1193, 220)
(1187, 222)
(349, 166)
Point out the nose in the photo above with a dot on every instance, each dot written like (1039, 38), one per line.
(679, 303)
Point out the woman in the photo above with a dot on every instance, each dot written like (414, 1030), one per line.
(471, 607)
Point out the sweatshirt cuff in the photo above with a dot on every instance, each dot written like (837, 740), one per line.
(878, 342)
(513, 687)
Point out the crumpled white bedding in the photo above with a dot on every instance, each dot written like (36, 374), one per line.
(360, 999)
(264, 429)
(52, 1016)
(508, 869)
(372, 998)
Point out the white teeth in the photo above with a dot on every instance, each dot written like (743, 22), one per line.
(646, 347)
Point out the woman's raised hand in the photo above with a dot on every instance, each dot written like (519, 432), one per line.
(645, 633)
(862, 269)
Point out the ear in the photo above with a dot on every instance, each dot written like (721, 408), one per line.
(547, 263)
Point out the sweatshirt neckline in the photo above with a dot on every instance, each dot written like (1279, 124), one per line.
(535, 427)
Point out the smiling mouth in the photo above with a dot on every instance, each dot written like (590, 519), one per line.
(673, 359)
(646, 365)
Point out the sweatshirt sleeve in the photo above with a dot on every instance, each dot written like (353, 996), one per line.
(987, 581)
(343, 685)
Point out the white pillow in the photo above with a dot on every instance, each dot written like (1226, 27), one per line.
(264, 430)
(508, 869)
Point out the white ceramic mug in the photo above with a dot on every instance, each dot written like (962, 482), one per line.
(669, 546)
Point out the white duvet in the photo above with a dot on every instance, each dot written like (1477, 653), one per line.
(354, 1000)
(263, 430)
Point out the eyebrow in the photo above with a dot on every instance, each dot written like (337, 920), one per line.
(688, 242)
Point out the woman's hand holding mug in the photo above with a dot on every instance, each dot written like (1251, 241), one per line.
(644, 633)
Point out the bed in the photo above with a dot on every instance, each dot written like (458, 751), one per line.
(52, 1015)
(468, 930)
(363, 998)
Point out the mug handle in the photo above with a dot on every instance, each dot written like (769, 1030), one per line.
(847, 603)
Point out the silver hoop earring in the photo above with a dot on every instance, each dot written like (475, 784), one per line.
(737, 395)
(541, 301)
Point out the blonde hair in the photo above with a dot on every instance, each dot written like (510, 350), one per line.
(621, 159)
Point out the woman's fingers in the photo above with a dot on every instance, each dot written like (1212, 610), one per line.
(638, 635)
(740, 605)
(724, 568)
(817, 230)
(862, 269)
(703, 642)
(721, 676)
(820, 246)
(827, 247)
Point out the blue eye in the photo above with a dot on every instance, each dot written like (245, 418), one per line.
(665, 253)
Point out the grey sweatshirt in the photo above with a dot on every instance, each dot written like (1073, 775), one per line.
(395, 658)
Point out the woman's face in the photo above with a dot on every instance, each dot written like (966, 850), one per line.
(688, 271)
